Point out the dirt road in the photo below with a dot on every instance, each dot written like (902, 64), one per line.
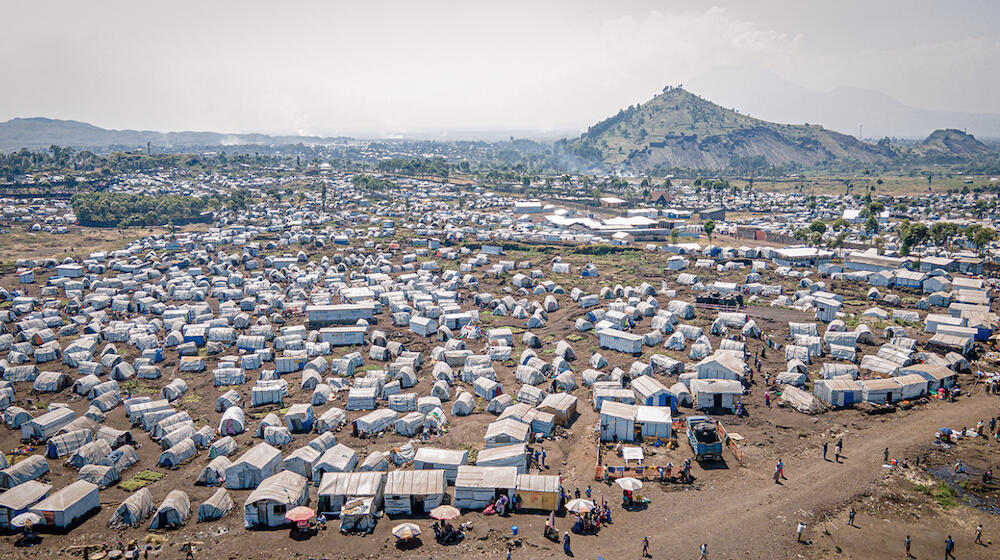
(750, 516)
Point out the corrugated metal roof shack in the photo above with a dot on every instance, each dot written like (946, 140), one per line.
(476, 487)
(341, 314)
(621, 341)
(336, 488)
(538, 492)
(414, 492)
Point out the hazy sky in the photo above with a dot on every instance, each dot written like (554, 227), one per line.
(378, 68)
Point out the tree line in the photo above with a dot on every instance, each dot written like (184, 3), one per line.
(110, 209)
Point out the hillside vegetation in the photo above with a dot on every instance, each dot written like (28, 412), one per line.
(677, 129)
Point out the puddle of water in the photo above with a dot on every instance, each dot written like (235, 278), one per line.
(947, 474)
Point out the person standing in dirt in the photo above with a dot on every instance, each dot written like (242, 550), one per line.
(798, 532)
(837, 448)
(566, 548)
(885, 456)
(906, 544)
(825, 444)
(850, 517)
(979, 534)
(704, 552)
(645, 547)
(781, 469)
(949, 548)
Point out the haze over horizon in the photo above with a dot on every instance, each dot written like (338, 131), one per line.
(397, 68)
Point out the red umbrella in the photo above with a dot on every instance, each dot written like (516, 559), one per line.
(300, 514)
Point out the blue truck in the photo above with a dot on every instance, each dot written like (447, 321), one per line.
(703, 435)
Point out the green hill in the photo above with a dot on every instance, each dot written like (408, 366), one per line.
(952, 142)
(677, 129)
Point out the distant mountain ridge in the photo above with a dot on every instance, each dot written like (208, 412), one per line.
(41, 132)
(677, 129)
(766, 95)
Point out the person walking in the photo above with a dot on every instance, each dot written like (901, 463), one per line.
(949, 548)
(645, 547)
(566, 548)
(781, 469)
(543, 457)
(906, 544)
(850, 517)
(979, 534)
(837, 448)
(704, 552)
(825, 444)
(798, 532)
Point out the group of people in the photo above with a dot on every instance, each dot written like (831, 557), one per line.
(591, 521)
(628, 499)
(838, 450)
(502, 505)
(539, 456)
(444, 531)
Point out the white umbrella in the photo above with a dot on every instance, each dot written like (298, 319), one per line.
(406, 530)
(27, 518)
(579, 505)
(629, 483)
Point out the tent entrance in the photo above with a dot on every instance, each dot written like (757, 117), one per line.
(717, 401)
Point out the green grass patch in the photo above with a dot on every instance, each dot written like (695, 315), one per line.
(481, 405)
(369, 367)
(574, 337)
(488, 318)
(945, 496)
(473, 453)
(192, 397)
(137, 386)
(140, 480)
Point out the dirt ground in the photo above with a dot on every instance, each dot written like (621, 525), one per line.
(738, 511)
(18, 243)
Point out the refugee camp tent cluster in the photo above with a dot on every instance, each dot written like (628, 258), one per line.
(137, 302)
(308, 351)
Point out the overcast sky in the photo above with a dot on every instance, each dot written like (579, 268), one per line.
(382, 68)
